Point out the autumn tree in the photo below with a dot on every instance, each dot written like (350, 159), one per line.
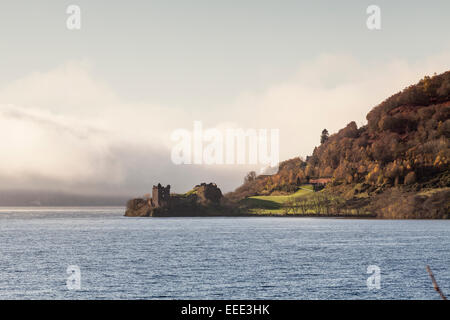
(410, 178)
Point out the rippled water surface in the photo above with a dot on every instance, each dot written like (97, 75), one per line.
(216, 258)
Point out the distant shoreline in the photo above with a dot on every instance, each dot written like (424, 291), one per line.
(235, 215)
(243, 215)
(77, 206)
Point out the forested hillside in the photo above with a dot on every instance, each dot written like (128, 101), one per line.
(396, 166)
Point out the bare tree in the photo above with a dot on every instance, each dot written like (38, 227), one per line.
(302, 204)
(290, 206)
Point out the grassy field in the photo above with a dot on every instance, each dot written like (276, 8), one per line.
(305, 190)
(274, 204)
(303, 202)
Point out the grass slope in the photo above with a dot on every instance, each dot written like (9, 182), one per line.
(274, 204)
(302, 202)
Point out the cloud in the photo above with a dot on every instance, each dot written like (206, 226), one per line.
(38, 143)
(329, 92)
(66, 129)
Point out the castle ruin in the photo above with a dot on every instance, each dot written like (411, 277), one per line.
(203, 200)
(160, 195)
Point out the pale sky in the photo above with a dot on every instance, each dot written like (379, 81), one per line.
(92, 110)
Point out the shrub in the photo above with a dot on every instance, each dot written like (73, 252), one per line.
(410, 178)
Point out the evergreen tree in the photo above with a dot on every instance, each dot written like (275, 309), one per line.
(324, 136)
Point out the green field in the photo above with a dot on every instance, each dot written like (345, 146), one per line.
(305, 190)
(274, 204)
(303, 202)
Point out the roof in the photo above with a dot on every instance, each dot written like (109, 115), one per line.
(320, 181)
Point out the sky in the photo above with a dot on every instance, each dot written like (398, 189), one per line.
(92, 110)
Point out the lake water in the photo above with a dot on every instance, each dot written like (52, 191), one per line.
(217, 258)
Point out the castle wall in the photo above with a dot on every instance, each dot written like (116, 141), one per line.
(160, 195)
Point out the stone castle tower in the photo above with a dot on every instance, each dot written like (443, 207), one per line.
(160, 195)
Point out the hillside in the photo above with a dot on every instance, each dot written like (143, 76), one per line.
(396, 166)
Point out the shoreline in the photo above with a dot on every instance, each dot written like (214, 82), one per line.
(284, 216)
(309, 215)
(268, 215)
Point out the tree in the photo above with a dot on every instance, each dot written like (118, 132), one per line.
(410, 178)
(444, 89)
(324, 136)
(251, 176)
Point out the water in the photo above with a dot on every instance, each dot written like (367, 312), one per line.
(216, 258)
